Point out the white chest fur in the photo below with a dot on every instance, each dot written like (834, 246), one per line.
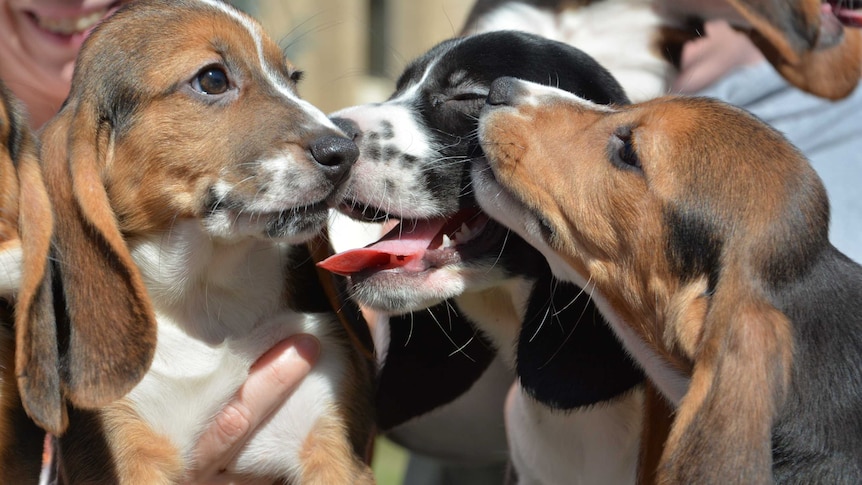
(219, 307)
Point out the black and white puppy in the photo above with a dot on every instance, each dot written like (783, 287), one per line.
(576, 415)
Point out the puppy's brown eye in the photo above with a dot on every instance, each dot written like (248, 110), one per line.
(622, 149)
(212, 80)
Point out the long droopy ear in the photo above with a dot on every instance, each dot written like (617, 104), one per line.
(107, 339)
(790, 38)
(36, 354)
(739, 382)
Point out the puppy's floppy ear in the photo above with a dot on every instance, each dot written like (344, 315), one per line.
(739, 382)
(111, 334)
(791, 39)
(37, 361)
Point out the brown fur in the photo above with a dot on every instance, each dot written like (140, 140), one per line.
(829, 71)
(327, 457)
(25, 227)
(824, 60)
(133, 152)
(611, 225)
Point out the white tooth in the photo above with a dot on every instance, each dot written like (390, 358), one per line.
(67, 26)
(465, 231)
(447, 243)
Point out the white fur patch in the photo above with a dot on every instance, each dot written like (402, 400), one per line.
(619, 34)
(254, 30)
(11, 259)
(596, 445)
(219, 307)
(388, 181)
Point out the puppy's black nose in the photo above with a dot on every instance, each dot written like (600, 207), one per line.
(336, 154)
(503, 91)
(349, 127)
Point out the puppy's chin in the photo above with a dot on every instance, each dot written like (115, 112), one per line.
(292, 226)
(396, 291)
(503, 206)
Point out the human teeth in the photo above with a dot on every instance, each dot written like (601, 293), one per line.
(71, 25)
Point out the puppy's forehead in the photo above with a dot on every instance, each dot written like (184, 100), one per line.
(190, 34)
(267, 55)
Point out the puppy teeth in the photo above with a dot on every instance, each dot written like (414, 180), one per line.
(447, 243)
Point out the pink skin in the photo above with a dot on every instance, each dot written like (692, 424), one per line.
(36, 63)
(707, 59)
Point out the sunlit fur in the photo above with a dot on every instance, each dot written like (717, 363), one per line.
(707, 244)
(574, 421)
(185, 214)
(25, 229)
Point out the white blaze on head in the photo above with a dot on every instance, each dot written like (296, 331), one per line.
(254, 30)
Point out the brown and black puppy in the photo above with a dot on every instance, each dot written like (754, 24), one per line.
(701, 234)
(639, 41)
(187, 177)
(25, 231)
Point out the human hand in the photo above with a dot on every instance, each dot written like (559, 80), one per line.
(271, 380)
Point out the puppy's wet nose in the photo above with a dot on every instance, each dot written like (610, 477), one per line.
(349, 127)
(503, 91)
(336, 154)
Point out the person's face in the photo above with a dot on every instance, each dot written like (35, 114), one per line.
(49, 33)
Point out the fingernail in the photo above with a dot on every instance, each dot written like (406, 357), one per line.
(307, 347)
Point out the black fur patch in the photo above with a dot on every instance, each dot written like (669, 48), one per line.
(693, 246)
(568, 356)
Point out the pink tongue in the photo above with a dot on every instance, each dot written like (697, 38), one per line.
(406, 242)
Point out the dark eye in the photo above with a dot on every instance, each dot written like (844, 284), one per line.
(622, 149)
(296, 76)
(212, 80)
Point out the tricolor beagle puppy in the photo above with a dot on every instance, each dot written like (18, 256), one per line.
(640, 41)
(25, 232)
(187, 176)
(701, 233)
(576, 415)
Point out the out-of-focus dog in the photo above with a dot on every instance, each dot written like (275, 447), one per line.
(640, 41)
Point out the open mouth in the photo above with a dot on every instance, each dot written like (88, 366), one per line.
(848, 12)
(415, 246)
(65, 26)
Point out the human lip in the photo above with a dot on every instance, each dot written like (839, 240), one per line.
(65, 24)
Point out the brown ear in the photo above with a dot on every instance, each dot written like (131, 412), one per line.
(791, 41)
(740, 377)
(110, 338)
(37, 360)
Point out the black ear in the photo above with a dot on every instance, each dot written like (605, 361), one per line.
(567, 354)
(434, 356)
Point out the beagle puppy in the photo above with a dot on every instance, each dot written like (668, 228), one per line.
(25, 232)
(187, 176)
(811, 43)
(701, 234)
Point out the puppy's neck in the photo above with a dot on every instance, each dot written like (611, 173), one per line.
(217, 289)
(498, 312)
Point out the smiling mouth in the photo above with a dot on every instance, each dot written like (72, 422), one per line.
(416, 246)
(68, 26)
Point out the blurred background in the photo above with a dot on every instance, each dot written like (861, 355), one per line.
(352, 52)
